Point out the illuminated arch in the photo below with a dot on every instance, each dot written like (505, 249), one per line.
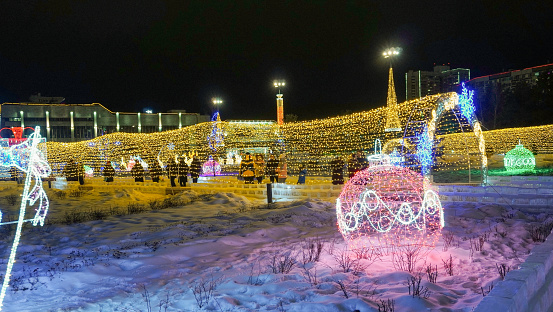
(420, 130)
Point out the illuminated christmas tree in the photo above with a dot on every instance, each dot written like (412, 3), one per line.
(392, 115)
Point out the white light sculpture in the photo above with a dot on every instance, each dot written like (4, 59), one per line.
(378, 158)
(28, 158)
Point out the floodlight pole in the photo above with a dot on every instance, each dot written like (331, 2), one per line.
(280, 109)
(393, 123)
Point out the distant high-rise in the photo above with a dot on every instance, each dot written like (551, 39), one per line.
(443, 79)
(506, 80)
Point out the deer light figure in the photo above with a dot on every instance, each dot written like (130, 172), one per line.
(28, 158)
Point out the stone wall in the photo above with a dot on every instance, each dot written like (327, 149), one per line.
(530, 288)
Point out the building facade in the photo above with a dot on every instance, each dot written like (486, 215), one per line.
(443, 79)
(506, 80)
(77, 122)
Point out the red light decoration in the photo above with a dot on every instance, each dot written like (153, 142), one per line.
(17, 133)
(388, 206)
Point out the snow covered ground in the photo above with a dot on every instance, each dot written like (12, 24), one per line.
(224, 252)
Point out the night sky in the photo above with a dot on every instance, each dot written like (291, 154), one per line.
(129, 55)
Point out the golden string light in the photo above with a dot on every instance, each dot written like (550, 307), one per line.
(313, 143)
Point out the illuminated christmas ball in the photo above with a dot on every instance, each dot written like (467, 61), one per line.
(387, 206)
(211, 167)
(519, 158)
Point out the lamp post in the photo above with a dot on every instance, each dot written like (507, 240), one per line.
(216, 132)
(216, 102)
(280, 110)
(392, 117)
(391, 53)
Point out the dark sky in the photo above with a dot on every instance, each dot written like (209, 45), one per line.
(179, 54)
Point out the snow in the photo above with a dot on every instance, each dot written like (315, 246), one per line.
(230, 246)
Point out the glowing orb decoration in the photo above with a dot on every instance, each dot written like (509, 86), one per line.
(211, 167)
(387, 206)
(519, 158)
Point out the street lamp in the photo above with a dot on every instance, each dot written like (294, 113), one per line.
(280, 110)
(216, 137)
(216, 102)
(278, 84)
(391, 52)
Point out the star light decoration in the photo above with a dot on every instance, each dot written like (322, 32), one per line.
(29, 158)
(424, 151)
(466, 104)
(385, 207)
(519, 158)
(216, 137)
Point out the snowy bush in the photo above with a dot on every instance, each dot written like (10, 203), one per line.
(309, 272)
(256, 275)
(539, 232)
(502, 269)
(432, 273)
(386, 305)
(11, 199)
(405, 258)
(477, 243)
(76, 193)
(204, 288)
(133, 208)
(486, 291)
(282, 261)
(60, 194)
(279, 218)
(347, 261)
(311, 249)
(98, 214)
(157, 204)
(448, 265)
(367, 253)
(416, 289)
(448, 239)
(73, 216)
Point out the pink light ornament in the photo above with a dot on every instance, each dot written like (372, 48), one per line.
(387, 207)
(211, 167)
